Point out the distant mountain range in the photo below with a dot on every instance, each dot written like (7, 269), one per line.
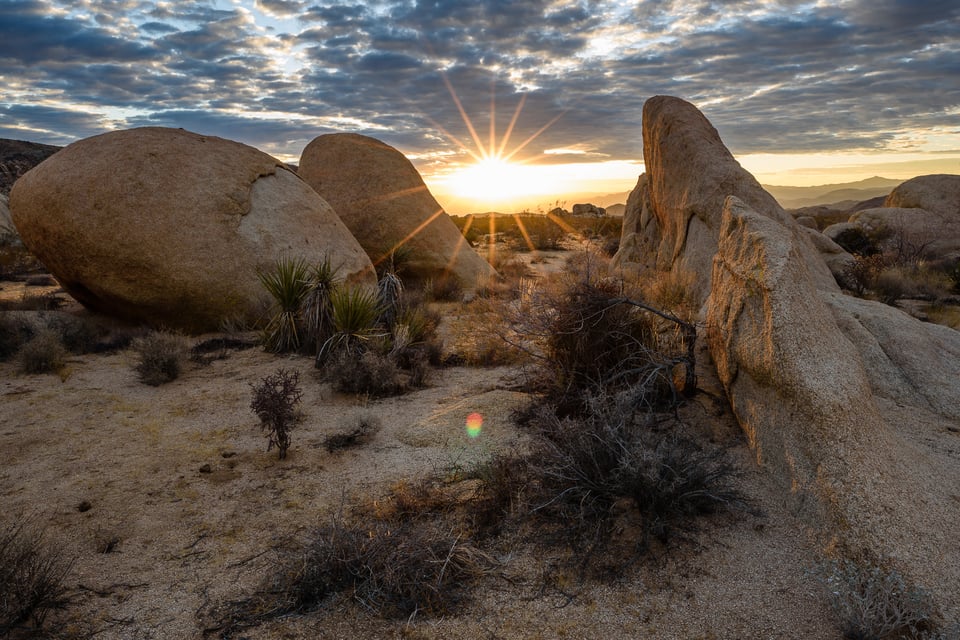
(791, 197)
(797, 197)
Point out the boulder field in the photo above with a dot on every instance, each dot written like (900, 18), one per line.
(382, 199)
(169, 228)
(846, 402)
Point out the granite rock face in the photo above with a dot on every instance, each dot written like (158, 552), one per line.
(169, 228)
(382, 199)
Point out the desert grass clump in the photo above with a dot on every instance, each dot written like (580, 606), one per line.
(444, 288)
(32, 574)
(275, 399)
(874, 602)
(160, 357)
(367, 372)
(43, 353)
(316, 306)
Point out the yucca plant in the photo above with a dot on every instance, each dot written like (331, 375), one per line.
(389, 290)
(288, 283)
(317, 308)
(355, 316)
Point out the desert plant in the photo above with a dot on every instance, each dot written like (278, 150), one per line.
(31, 577)
(355, 315)
(389, 291)
(444, 288)
(43, 353)
(874, 602)
(15, 330)
(316, 305)
(358, 429)
(367, 372)
(861, 274)
(160, 357)
(287, 283)
(274, 401)
(416, 568)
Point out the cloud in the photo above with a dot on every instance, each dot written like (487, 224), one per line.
(772, 75)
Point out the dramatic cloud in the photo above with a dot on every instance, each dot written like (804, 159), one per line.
(772, 75)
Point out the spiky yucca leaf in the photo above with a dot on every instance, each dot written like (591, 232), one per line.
(355, 315)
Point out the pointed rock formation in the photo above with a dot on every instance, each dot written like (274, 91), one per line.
(169, 228)
(839, 397)
(381, 197)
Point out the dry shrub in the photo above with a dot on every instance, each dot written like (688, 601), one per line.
(444, 288)
(160, 357)
(395, 571)
(358, 429)
(673, 291)
(43, 353)
(15, 330)
(873, 602)
(368, 372)
(31, 577)
(274, 400)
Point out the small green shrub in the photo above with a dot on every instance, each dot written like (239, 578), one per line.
(160, 357)
(274, 401)
(32, 574)
(355, 315)
(43, 353)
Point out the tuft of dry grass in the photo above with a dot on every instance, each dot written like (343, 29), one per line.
(160, 357)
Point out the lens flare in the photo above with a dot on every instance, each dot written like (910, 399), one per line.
(474, 424)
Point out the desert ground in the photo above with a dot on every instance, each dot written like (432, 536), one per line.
(169, 505)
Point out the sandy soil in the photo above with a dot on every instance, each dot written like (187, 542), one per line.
(182, 504)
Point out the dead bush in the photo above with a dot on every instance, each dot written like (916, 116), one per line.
(395, 571)
(160, 357)
(15, 330)
(274, 400)
(874, 602)
(32, 576)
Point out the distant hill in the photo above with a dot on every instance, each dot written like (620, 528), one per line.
(17, 157)
(797, 197)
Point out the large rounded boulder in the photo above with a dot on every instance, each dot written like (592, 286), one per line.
(170, 228)
(381, 197)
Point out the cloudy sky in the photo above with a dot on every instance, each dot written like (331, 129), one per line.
(802, 92)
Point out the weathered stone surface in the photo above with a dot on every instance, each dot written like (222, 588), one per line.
(17, 157)
(807, 221)
(689, 175)
(912, 232)
(832, 254)
(168, 227)
(937, 193)
(381, 197)
(636, 219)
(839, 397)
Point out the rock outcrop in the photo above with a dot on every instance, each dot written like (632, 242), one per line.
(17, 157)
(169, 228)
(844, 401)
(689, 175)
(588, 209)
(8, 232)
(381, 197)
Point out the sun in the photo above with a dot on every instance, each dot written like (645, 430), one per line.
(496, 180)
